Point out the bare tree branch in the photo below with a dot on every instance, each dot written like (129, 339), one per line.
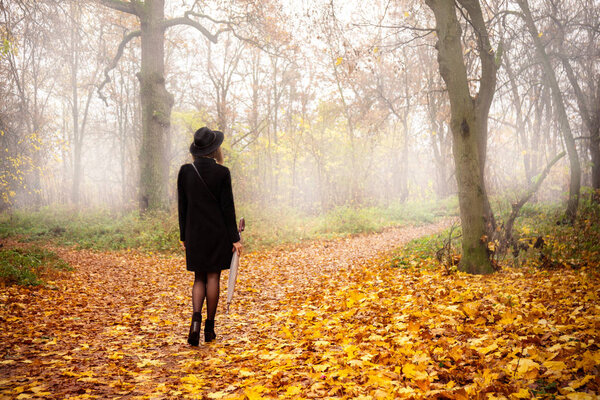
(231, 27)
(120, 5)
(190, 22)
(115, 60)
(507, 239)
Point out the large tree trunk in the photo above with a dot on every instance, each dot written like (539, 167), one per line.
(563, 119)
(468, 124)
(156, 109)
(156, 101)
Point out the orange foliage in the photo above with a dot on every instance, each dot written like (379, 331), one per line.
(326, 319)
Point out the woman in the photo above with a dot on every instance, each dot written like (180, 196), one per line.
(207, 226)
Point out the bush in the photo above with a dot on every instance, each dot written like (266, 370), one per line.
(24, 267)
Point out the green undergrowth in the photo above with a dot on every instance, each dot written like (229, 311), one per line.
(544, 241)
(561, 245)
(26, 266)
(93, 229)
(159, 231)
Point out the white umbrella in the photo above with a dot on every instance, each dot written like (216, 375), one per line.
(233, 268)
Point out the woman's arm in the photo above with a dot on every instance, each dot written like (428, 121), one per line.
(228, 208)
(181, 204)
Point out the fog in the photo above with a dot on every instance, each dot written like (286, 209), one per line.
(323, 104)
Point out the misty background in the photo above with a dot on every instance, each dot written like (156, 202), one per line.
(323, 103)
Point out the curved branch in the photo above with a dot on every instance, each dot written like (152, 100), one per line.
(507, 240)
(190, 22)
(186, 20)
(115, 60)
(208, 17)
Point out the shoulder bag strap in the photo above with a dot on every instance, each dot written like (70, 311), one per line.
(204, 183)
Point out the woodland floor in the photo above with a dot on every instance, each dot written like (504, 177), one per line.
(323, 319)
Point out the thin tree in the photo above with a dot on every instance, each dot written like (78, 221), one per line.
(563, 119)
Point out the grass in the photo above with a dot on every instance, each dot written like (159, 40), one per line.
(25, 266)
(564, 246)
(159, 232)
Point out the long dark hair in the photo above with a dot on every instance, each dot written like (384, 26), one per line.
(217, 155)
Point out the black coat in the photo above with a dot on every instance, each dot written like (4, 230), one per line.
(207, 222)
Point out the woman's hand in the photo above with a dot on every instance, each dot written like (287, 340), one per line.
(237, 246)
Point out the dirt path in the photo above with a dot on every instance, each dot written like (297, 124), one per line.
(116, 327)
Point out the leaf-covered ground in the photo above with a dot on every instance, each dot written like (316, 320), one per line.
(327, 319)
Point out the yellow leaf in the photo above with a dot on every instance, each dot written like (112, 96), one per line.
(581, 382)
(217, 395)
(351, 350)
(555, 366)
(254, 393)
(406, 14)
(470, 309)
(320, 367)
(580, 396)
(193, 379)
(540, 34)
(146, 362)
(411, 372)
(287, 332)
(37, 389)
(292, 390)
(485, 350)
(521, 394)
(523, 368)
(339, 61)
(508, 318)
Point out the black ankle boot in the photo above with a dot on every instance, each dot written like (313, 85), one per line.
(209, 330)
(194, 335)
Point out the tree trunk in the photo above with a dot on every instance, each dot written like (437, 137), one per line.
(467, 130)
(590, 119)
(156, 109)
(519, 123)
(563, 119)
(77, 142)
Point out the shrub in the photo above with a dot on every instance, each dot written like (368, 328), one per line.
(24, 266)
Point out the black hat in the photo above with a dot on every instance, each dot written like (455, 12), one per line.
(206, 141)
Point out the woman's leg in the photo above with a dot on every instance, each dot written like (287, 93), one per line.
(199, 291)
(198, 295)
(213, 282)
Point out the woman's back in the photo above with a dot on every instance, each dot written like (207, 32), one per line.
(207, 215)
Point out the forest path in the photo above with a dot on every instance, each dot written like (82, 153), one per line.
(318, 320)
(117, 325)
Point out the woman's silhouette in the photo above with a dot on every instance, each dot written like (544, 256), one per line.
(207, 226)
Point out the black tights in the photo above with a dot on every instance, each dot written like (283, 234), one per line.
(206, 284)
